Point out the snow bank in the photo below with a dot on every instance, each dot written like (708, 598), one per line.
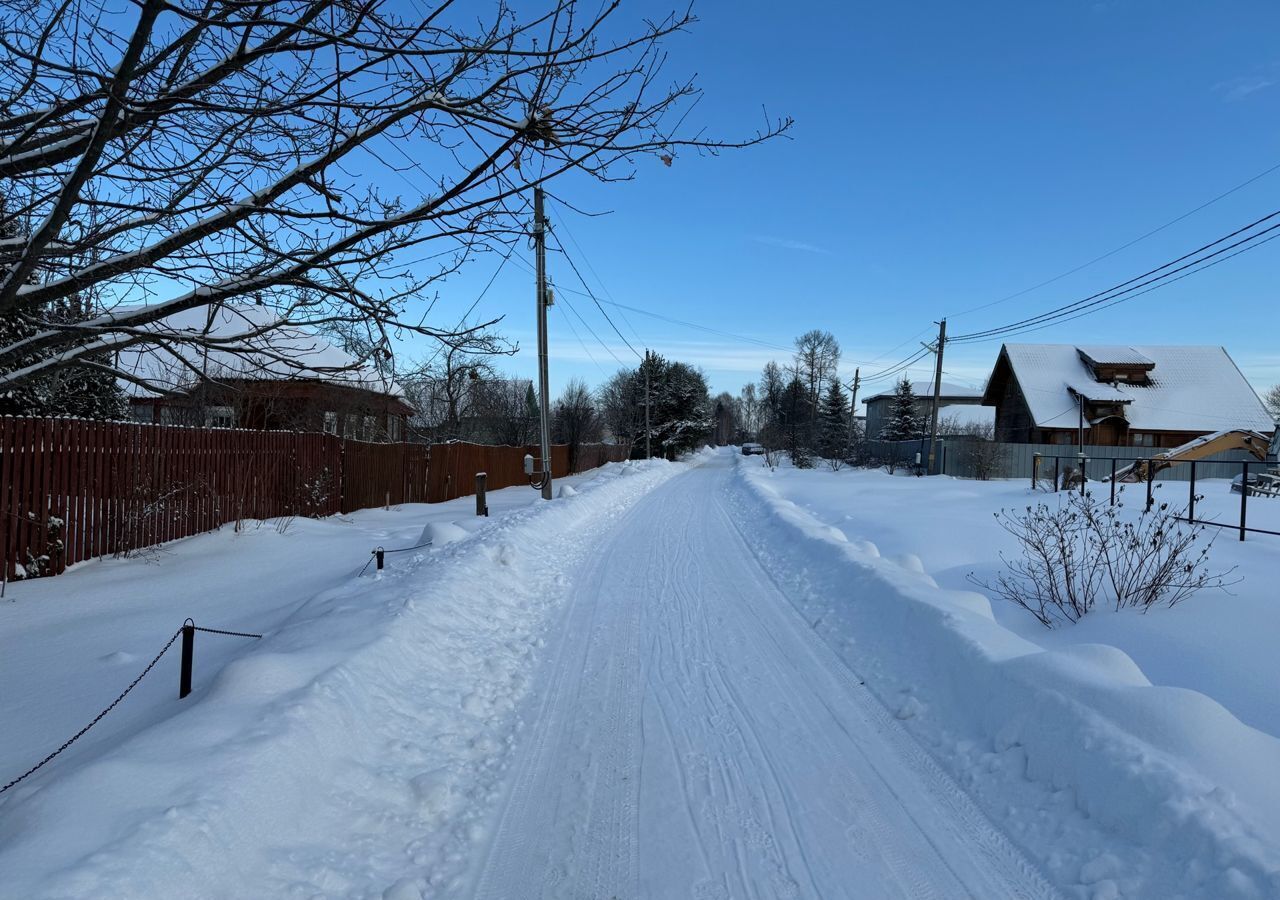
(1074, 749)
(354, 751)
(440, 533)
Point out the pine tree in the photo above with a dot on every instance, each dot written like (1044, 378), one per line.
(76, 391)
(833, 422)
(905, 422)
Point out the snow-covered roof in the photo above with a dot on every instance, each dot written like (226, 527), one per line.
(925, 389)
(963, 415)
(309, 356)
(1113, 355)
(1099, 391)
(1191, 388)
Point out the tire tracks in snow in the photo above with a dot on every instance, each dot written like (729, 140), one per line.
(694, 737)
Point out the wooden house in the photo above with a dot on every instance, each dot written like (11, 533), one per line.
(1119, 396)
(286, 379)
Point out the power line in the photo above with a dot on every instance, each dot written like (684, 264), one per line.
(563, 220)
(594, 298)
(587, 326)
(1122, 247)
(1126, 287)
(1040, 327)
(581, 343)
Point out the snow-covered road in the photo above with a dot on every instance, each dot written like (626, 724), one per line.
(689, 735)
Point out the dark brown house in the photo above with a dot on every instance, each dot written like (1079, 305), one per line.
(300, 382)
(1121, 396)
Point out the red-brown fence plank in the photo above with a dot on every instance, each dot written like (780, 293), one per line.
(121, 487)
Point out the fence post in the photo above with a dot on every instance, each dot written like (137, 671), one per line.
(1244, 494)
(378, 555)
(1113, 481)
(1151, 477)
(1035, 470)
(1083, 461)
(188, 651)
(1056, 466)
(482, 508)
(1191, 500)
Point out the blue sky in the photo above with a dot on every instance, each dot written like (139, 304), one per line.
(945, 155)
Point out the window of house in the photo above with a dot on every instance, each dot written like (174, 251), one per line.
(1141, 439)
(219, 417)
(331, 422)
(368, 427)
(393, 428)
(349, 426)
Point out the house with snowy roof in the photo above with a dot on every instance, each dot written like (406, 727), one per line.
(1122, 396)
(236, 366)
(956, 404)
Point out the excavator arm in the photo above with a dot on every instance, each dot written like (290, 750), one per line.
(1236, 439)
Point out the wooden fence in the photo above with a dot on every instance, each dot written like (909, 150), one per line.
(454, 466)
(71, 489)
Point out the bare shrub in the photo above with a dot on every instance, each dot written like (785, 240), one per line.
(975, 449)
(834, 463)
(772, 456)
(1085, 552)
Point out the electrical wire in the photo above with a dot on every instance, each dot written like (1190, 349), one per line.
(1041, 327)
(1133, 284)
(594, 298)
(1122, 247)
(563, 221)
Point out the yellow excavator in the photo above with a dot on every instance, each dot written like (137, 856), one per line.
(1262, 446)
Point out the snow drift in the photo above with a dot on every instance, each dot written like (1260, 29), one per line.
(362, 739)
(1183, 792)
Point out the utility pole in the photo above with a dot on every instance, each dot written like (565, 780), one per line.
(544, 405)
(853, 402)
(937, 391)
(647, 453)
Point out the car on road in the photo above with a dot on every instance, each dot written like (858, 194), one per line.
(749, 449)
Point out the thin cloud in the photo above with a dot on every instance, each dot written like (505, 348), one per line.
(789, 244)
(1237, 89)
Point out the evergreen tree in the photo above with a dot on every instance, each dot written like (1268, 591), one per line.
(905, 422)
(833, 422)
(80, 391)
(796, 416)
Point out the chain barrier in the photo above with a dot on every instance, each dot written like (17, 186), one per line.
(116, 702)
(243, 634)
(373, 554)
(98, 718)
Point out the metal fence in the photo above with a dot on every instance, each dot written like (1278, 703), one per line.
(965, 457)
(1249, 478)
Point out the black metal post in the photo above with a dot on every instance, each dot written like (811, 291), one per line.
(188, 651)
(1191, 500)
(1056, 462)
(1244, 494)
(1113, 481)
(1151, 477)
(378, 554)
(1035, 470)
(1083, 463)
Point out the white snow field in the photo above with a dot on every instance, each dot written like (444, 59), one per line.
(693, 737)
(669, 682)
(1112, 750)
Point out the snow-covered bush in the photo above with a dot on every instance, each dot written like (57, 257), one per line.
(1086, 552)
(802, 458)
